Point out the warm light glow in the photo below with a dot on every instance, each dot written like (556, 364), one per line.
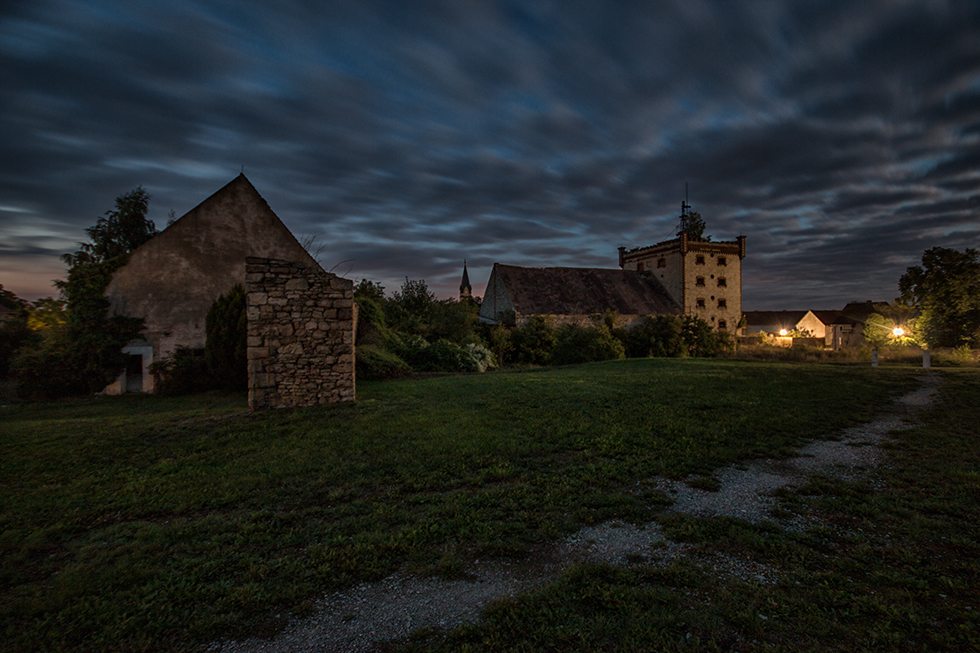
(783, 332)
(898, 332)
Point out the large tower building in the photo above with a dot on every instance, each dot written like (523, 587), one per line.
(703, 277)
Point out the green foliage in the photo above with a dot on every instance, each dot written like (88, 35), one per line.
(693, 225)
(225, 350)
(183, 373)
(366, 289)
(86, 353)
(14, 332)
(47, 313)
(533, 341)
(585, 344)
(377, 363)
(119, 232)
(946, 291)
(658, 336)
(699, 338)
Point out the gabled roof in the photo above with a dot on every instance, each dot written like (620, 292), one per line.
(785, 319)
(827, 317)
(584, 291)
(171, 279)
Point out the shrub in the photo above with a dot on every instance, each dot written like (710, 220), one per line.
(533, 341)
(658, 336)
(49, 370)
(185, 372)
(699, 338)
(225, 351)
(576, 344)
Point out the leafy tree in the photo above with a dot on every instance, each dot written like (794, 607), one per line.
(86, 354)
(585, 344)
(693, 225)
(14, 331)
(533, 341)
(46, 313)
(699, 338)
(946, 291)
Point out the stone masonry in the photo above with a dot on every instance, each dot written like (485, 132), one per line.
(300, 335)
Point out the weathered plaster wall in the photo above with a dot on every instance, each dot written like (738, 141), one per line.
(172, 279)
(300, 335)
(495, 299)
(681, 271)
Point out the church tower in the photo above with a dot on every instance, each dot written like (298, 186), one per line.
(465, 289)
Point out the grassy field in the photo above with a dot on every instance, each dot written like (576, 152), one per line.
(147, 523)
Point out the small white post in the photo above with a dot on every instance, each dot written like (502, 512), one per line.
(926, 360)
(874, 358)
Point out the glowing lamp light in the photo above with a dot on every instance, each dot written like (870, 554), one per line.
(783, 332)
(898, 332)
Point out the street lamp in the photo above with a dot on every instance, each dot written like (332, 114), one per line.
(898, 332)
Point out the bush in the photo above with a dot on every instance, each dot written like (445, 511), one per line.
(576, 344)
(533, 341)
(699, 338)
(186, 372)
(225, 351)
(49, 370)
(658, 336)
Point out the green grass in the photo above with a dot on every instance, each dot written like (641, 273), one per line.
(147, 523)
(889, 569)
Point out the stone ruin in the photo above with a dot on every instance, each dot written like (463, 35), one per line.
(300, 335)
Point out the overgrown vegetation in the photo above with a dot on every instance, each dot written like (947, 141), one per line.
(222, 364)
(159, 524)
(84, 353)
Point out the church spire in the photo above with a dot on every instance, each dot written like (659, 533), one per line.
(465, 289)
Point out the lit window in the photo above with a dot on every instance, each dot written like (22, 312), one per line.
(662, 263)
(699, 259)
(722, 260)
(722, 303)
(699, 281)
(700, 302)
(722, 282)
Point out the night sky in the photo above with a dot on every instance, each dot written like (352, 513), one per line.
(841, 138)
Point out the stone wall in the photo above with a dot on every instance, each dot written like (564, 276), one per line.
(300, 335)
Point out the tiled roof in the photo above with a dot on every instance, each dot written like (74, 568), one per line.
(786, 319)
(584, 291)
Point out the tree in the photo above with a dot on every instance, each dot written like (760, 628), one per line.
(946, 291)
(86, 353)
(693, 225)
(226, 329)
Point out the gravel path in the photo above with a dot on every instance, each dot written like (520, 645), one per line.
(358, 618)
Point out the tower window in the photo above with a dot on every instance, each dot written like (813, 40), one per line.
(661, 263)
(722, 303)
(639, 267)
(699, 302)
(722, 325)
(722, 282)
(722, 260)
(699, 259)
(699, 281)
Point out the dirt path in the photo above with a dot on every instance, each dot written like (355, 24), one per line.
(358, 618)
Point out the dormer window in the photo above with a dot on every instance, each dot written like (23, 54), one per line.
(722, 260)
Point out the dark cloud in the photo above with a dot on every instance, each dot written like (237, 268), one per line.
(840, 138)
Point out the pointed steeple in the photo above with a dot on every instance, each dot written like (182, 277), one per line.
(465, 289)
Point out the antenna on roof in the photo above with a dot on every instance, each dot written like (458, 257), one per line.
(684, 207)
